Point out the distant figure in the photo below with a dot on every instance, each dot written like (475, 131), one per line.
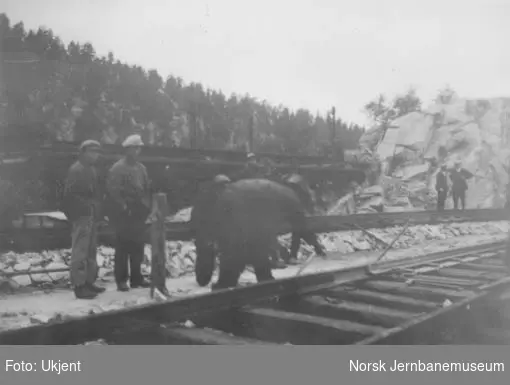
(459, 185)
(129, 189)
(82, 206)
(352, 193)
(441, 188)
(251, 169)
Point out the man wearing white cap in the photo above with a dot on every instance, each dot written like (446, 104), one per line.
(82, 205)
(129, 188)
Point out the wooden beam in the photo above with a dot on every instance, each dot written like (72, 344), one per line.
(416, 290)
(200, 336)
(158, 244)
(384, 299)
(352, 311)
(298, 328)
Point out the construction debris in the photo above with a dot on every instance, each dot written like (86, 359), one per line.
(181, 255)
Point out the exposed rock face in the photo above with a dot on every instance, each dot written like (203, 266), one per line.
(476, 132)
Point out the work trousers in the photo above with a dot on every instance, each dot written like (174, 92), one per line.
(84, 267)
(441, 198)
(459, 195)
(128, 251)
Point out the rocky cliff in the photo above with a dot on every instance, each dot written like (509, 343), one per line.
(412, 147)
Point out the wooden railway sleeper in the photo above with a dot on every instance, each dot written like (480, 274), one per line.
(378, 298)
(351, 310)
(469, 274)
(477, 266)
(410, 289)
(445, 281)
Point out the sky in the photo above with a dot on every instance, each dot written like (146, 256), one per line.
(299, 53)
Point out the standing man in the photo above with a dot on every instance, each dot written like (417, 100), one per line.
(441, 188)
(82, 206)
(129, 189)
(459, 185)
(251, 170)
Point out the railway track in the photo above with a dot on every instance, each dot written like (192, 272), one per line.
(57, 234)
(387, 303)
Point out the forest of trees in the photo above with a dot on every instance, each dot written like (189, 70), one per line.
(70, 94)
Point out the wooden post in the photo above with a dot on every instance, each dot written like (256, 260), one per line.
(251, 127)
(158, 244)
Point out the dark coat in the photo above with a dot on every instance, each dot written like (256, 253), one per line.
(242, 216)
(82, 193)
(441, 181)
(459, 180)
(129, 185)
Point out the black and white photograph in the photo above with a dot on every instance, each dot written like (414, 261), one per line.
(220, 172)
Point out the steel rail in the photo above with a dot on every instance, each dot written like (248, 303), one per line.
(80, 329)
(331, 223)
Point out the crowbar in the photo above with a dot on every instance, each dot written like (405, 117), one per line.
(385, 251)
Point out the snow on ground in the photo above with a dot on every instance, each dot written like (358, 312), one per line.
(29, 306)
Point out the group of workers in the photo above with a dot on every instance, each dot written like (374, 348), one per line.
(127, 199)
(459, 186)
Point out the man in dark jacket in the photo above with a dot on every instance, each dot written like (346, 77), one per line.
(129, 190)
(441, 188)
(459, 185)
(82, 206)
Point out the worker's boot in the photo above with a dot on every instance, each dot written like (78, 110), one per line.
(122, 286)
(96, 289)
(84, 292)
(278, 264)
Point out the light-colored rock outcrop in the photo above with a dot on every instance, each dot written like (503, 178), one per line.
(476, 132)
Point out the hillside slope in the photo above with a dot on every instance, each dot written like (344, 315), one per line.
(476, 132)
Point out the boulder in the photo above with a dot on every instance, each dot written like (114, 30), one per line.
(23, 266)
(475, 131)
(22, 280)
(8, 285)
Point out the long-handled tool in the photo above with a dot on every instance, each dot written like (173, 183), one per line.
(385, 251)
(307, 262)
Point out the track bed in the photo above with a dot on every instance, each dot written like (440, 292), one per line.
(386, 308)
(395, 302)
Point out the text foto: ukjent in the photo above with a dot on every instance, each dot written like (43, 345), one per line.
(54, 366)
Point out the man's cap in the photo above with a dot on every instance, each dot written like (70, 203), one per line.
(250, 155)
(90, 144)
(221, 179)
(458, 162)
(133, 141)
